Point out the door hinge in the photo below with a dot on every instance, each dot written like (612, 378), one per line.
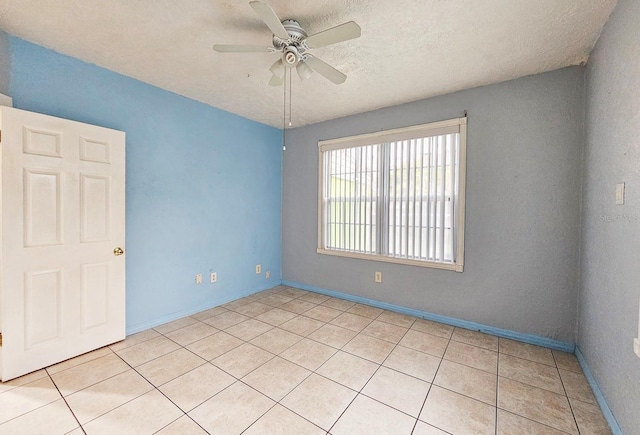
(0, 339)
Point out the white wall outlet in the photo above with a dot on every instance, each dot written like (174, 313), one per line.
(377, 276)
(620, 194)
(267, 274)
(214, 277)
(258, 269)
(636, 346)
(199, 278)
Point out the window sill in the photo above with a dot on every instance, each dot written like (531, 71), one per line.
(382, 258)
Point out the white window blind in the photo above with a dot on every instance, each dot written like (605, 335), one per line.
(396, 195)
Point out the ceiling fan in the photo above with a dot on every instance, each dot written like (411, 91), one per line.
(292, 41)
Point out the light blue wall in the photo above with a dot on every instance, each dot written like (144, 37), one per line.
(524, 161)
(203, 186)
(610, 293)
(5, 63)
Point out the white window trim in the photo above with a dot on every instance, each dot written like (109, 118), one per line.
(431, 129)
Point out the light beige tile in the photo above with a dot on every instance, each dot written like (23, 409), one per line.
(319, 400)
(28, 397)
(276, 316)
(49, 419)
(385, 331)
(275, 300)
(477, 384)
(232, 410)
(458, 414)
(333, 335)
(302, 325)
(297, 306)
(400, 391)
(293, 292)
(397, 319)
(348, 370)
(351, 321)
(308, 353)
(475, 338)
(366, 416)
(566, 361)
(413, 363)
(433, 328)
(197, 386)
(536, 404)
(276, 378)
(207, 314)
(423, 342)
(365, 311)
(276, 340)
(338, 304)
(510, 424)
(248, 329)
(89, 356)
(226, 320)
(472, 356)
(589, 418)
(176, 324)
(322, 313)
(182, 426)
(236, 304)
(279, 420)
(370, 348)
(147, 350)
(527, 351)
(145, 414)
(191, 334)
(77, 431)
(314, 298)
(81, 376)
(167, 367)
(242, 360)
(104, 396)
(423, 428)
(26, 379)
(530, 372)
(577, 387)
(253, 309)
(134, 339)
(214, 345)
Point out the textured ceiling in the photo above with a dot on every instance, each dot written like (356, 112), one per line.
(409, 49)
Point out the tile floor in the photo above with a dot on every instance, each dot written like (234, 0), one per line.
(286, 361)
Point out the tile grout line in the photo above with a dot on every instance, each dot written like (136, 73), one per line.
(497, 384)
(66, 403)
(573, 414)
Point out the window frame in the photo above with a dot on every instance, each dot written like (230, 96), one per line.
(394, 135)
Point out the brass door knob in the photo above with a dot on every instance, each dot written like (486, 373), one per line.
(118, 251)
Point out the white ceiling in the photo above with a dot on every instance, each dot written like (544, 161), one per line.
(409, 49)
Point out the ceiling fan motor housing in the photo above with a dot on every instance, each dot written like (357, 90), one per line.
(293, 48)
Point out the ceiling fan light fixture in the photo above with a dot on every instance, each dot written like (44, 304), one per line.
(304, 72)
(277, 69)
(290, 56)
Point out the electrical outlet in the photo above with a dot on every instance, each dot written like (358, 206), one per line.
(377, 276)
(267, 274)
(214, 277)
(199, 278)
(258, 269)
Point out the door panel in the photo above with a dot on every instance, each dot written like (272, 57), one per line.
(62, 289)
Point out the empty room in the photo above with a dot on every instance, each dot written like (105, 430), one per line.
(362, 217)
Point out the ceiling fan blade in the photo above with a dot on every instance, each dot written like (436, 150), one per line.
(276, 81)
(326, 70)
(343, 32)
(230, 48)
(270, 18)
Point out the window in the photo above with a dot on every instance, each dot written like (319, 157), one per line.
(395, 196)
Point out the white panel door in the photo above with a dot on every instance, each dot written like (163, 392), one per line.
(62, 285)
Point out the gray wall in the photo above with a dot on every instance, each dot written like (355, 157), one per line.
(608, 318)
(5, 63)
(523, 204)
